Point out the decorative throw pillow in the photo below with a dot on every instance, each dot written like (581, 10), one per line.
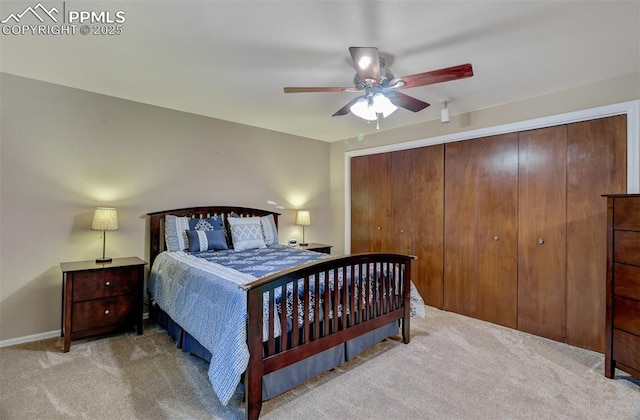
(246, 233)
(174, 232)
(210, 223)
(269, 230)
(206, 240)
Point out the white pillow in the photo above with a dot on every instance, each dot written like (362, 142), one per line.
(175, 235)
(246, 233)
(269, 230)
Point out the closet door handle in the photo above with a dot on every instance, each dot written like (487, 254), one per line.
(401, 230)
(496, 238)
(541, 241)
(379, 228)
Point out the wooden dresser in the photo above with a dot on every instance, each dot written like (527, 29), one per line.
(622, 349)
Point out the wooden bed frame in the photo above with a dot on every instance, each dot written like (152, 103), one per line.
(392, 302)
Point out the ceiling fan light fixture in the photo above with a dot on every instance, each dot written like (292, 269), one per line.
(362, 109)
(382, 105)
(369, 110)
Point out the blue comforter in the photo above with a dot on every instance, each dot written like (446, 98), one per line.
(200, 292)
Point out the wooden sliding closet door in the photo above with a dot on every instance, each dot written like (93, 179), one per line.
(403, 212)
(542, 232)
(397, 206)
(360, 224)
(460, 232)
(428, 211)
(596, 164)
(480, 233)
(370, 203)
(498, 231)
(380, 202)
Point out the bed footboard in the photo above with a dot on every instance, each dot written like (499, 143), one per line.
(319, 305)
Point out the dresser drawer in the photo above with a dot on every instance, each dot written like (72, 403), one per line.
(626, 349)
(103, 283)
(626, 281)
(92, 314)
(626, 214)
(626, 315)
(627, 247)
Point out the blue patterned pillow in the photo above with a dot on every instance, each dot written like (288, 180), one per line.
(269, 230)
(246, 233)
(174, 233)
(210, 223)
(206, 240)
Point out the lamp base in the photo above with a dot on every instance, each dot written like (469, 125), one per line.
(104, 260)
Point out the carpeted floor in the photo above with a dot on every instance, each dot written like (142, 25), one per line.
(454, 368)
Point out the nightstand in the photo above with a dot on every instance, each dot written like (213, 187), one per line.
(101, 297)
(316, 247)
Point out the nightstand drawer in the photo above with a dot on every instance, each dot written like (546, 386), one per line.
(626, 281)
(626, 315)
(627, 247)
(92, 314)
(104, 283)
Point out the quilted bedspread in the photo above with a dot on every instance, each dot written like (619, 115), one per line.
(202, 295)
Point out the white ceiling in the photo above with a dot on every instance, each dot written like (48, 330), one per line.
(231, 59)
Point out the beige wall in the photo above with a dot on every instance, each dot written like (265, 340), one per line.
(620, 89)
(65, 151)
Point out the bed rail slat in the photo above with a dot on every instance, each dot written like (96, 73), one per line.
(294, 316)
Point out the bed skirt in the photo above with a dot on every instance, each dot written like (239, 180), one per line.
(282, 380)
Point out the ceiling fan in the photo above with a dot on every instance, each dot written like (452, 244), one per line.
(380, 87)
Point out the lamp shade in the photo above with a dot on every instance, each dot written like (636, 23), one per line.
(105, 218)
(303, 218)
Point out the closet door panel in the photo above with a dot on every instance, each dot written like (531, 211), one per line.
(403, 212)
(542, 232)
(596, 164)
(497, 195)
(481, 189)
(428, 212)
(460, 228)
(380, 202)
(360, 223)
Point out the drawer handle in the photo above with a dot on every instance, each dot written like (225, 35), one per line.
(379, 228)
(496, 238)
(540, 241)
(106, 312)
(108, 284)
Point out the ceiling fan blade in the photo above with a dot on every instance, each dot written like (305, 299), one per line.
(401, 100)
(345, 109)
(437, 76)
(367, 62)
(317, 89)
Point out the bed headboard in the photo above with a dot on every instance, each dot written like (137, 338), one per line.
(156, 222)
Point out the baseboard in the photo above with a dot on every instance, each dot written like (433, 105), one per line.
(29, 338)
(40, 336)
